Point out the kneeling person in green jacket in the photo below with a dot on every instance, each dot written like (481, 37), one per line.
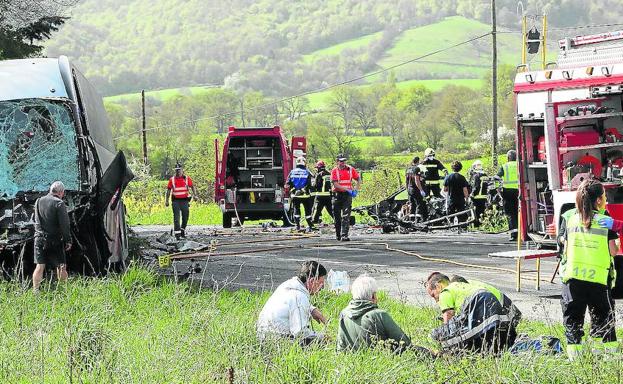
(477, 316)
(363, 324)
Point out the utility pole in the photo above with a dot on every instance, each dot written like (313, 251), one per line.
(144, 128)
(494, 88)
(242, 112)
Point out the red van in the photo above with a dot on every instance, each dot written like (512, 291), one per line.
(251, 174)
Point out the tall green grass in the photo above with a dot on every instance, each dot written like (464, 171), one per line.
(135, 328)
(200, 214)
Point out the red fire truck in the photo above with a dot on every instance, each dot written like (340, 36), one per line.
(569, 128)
(250, 175)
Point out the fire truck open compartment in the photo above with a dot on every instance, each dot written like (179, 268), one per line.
(570, 128)
(256, 167)
(250, 176)
(584, 138)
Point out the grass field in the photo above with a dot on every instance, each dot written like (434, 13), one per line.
(136, 329)
(360, 42)
(474, 57)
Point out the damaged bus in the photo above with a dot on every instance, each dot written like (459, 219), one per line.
(53, 126)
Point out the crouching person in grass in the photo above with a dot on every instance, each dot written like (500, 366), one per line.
(363, 324)
(288, 311)
(477, 317)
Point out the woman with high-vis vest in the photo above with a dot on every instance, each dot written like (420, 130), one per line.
(510, 191)
(587, 270)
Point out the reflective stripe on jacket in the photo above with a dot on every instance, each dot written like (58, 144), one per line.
(587, 255)
(345, 182)
(299, 178)
(481, 188)
(177, 191)
(511, 178)
(325, 188)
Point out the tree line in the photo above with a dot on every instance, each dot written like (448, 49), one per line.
(368, 123)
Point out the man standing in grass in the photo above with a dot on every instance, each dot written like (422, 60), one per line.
(178, 190)
(52, 234)
(288, 311)
(477, 317)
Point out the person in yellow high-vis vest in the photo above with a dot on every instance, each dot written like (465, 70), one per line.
(587, 270)
(510, 191)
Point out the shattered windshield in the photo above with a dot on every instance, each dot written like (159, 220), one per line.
(37, 146)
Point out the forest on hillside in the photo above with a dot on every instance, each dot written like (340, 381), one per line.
(125, 45)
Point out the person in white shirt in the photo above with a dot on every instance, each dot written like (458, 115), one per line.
(288, 311)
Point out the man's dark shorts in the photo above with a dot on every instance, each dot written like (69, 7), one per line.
(52, 257)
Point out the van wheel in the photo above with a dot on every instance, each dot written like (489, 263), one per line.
(226, 220)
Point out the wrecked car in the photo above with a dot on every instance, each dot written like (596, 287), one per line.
(53, 126)
(393, 214)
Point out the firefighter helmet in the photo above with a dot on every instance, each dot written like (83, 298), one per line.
(300, 160)
(320, 164)
(429, 152)
(511, 155)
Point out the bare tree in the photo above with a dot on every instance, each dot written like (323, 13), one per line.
(294, 108)
(364, 110)
(342, 99)
(16, 14)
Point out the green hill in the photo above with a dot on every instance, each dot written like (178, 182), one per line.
(274, 46)
(353, 44)
(468, 61)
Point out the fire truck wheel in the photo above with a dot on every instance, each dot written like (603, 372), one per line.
(226, 220)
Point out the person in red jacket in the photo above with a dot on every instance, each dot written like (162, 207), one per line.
(178, 190)
(345, 183)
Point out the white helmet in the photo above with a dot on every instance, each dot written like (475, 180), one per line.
(429, 152)
(477, 164)
(300, 160)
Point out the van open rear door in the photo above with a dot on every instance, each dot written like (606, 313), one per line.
(218, 170)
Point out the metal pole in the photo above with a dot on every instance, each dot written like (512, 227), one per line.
(144, 128)
(494, 87)
(524, 42)
(544, 42)
(242, 112)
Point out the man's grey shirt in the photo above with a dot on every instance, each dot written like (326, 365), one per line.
(52, 219)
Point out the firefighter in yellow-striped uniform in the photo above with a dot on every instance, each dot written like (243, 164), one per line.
(322, 192)
(432, 178)
(587, 270)
(299, 181)
(510, 191)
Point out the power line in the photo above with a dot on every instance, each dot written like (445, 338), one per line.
(321, 89)
(589, 26)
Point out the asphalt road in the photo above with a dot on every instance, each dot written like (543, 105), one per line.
(250, 258)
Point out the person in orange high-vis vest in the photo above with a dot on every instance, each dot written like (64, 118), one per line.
(179, 191)
(345, 183)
